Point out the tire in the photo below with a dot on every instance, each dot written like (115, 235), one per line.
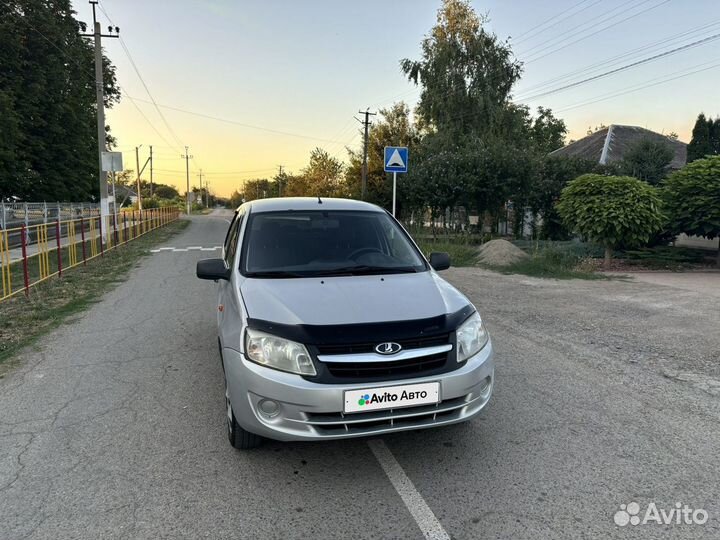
(238, 437)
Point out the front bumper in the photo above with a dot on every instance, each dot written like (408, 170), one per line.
(313, 411)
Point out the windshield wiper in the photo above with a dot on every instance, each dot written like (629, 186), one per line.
(361, 269)
(274, 274)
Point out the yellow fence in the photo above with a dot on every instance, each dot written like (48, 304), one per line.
(30, 255)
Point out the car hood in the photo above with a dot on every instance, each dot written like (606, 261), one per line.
(350, 299)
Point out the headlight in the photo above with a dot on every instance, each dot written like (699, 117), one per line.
(278, 353)
(471, 337)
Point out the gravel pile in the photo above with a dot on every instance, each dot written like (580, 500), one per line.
(500, 253)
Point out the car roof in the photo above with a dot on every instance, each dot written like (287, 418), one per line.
(276, 204)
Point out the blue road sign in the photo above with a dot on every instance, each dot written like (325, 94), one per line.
(396, 159)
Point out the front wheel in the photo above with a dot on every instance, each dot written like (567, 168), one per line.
(238, 437)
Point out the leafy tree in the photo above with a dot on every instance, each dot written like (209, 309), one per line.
(393, 128)
(48, 134)
(692, 199)
(648, 159)
(700, 145)
(547, 133)
(611, 210)
(163, 191)
(553, 175)
(323, 177)
(236, 199)
(259, 188)
(466, 73)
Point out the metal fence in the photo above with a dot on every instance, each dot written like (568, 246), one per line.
(32, 213)
(31, 254)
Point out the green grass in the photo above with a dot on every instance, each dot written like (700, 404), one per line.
(665, 257)
(461, 253)
(24, 319)
(551, 263)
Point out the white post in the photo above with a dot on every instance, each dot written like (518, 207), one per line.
(114, 198)
(394, 191)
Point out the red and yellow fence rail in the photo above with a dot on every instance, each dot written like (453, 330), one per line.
(32, 254)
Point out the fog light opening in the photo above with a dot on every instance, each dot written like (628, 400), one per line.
(269, 407)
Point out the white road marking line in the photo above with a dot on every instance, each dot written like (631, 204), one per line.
(424, 517)
(183, 250)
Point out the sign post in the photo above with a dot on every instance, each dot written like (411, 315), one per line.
(396, 161)
(112, 163)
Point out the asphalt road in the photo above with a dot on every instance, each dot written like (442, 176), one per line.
(608, 392)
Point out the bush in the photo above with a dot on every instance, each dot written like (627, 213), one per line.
(611, 210)
(692, 199)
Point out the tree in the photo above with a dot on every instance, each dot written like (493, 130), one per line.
(547, 133)
(163, 191)
(466, 73)
(236, 199)
(393, 128)
(700, 145)
(554, 173)
(692, 199)
(48, 134)
(611, 210)
(323, 177)
(648, 159)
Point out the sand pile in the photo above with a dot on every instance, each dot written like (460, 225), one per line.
(500, 253)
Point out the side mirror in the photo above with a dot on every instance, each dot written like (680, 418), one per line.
(213, 269)
(439, 260)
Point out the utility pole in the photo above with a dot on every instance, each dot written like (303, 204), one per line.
(280, 180)
(366, 123)
(187, 177)
(139, 172)
(97, 36)
(152, 190)
(201, 191)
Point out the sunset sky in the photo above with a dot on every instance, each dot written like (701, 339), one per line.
(301, 70)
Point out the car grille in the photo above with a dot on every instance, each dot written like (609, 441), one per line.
(330, 370)
(354, 348)
(369, 422)
(390, 370)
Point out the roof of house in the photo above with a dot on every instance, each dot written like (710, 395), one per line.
(610, 144)
(123, 190)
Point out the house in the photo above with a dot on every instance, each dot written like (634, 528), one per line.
(124, 193)
(609, 145)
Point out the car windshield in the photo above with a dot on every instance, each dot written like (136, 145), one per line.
(326, 243)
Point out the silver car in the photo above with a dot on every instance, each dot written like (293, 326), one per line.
(332, 324)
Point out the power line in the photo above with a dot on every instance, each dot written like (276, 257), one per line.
(648, 84)
(612, 60)
(566, 45)
(235, 122)
(625, 67)
(142, 80)
(590, 23)
(532, 31)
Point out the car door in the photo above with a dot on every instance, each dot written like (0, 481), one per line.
(229, 309)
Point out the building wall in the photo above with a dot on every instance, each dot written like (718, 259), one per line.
(696, 242)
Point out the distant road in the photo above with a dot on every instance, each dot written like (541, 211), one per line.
(114, 426)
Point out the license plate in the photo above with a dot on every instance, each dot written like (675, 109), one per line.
(391, 397)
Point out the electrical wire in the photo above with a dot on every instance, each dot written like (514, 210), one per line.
(613, 60)
(566, 45)
(623, 68)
